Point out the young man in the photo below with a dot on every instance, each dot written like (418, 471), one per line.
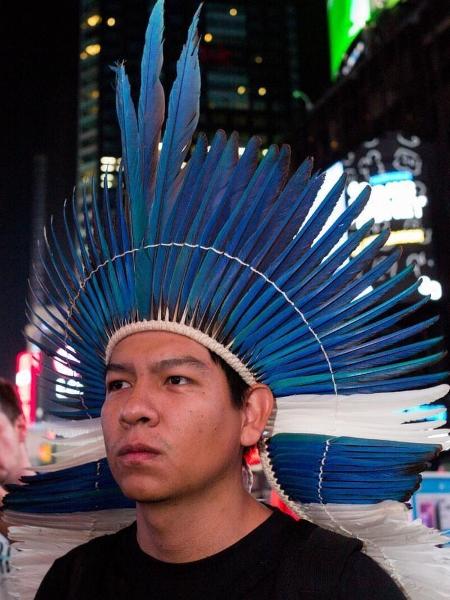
(221, 311)
(175, 435)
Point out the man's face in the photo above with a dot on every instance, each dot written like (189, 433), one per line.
(11, 435)
(169, 424)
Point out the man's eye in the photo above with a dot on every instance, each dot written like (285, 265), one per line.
(116, 384)
(177, 380)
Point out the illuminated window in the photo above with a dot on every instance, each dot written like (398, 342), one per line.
(108, 164)
(109, 179)
(262, 91)
(241, 90)
(111, 22)
(94, 20)
(93, 49)
(258, 59)
(208, 37)
(233, 12)
(95, 94)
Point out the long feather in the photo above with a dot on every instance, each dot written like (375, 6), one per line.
(183, 113)
(151, 100)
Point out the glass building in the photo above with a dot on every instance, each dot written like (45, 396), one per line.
(250, 71)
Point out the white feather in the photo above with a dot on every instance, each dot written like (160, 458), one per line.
(374, 416)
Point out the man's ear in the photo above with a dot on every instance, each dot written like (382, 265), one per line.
(258, 405)
(20, 425)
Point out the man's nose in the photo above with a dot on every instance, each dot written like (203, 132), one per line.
(139, 407)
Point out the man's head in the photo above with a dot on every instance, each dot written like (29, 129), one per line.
(175, 419)
(12, 435)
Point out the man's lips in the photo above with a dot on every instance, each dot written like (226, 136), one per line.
(137, 452)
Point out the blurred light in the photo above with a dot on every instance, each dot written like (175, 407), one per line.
(402, 236)
(262, 91)
(61, 364)
(208, 37)
(389, 176)
(233, 12)
(296, 94)
(430, 287)
(109, 179)
(93, 49)
(94, 20)
(394, 200)
(264, 151)
(28, 368)
(45, 453)
(83, 55)
(258, 59)
(108, 160)
(111, 22)
(95, 94)
(241, 150)
(241, 90)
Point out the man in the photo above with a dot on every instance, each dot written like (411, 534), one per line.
(175, 435)
(209, 309)
(14, 460)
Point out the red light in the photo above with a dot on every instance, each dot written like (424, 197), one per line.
(28, 368)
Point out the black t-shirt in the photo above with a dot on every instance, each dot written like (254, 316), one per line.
(114, 567)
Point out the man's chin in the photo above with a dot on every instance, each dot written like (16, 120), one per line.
(144, 494)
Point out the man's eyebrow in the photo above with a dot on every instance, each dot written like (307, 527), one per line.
(118, 367)
(168, 363)
(157, 366)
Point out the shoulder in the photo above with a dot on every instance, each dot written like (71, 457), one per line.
(83, 563)
(326, 563)
(365, 578)
(97, 547)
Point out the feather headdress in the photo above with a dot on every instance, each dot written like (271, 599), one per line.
(226, 250)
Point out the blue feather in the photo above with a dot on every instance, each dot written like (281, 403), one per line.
(182, 120)
(151, 102)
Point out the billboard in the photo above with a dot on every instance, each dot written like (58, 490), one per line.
(398, 169)
(346, 20)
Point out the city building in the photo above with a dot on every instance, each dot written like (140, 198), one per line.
(250, 70)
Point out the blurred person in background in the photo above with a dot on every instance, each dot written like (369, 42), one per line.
(14, 461)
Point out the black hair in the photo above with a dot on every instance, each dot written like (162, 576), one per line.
(238, 387)
(9, 401)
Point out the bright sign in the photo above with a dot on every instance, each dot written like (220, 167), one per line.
(28, 368)
(397, 168)
(346, 20)
(67, 384)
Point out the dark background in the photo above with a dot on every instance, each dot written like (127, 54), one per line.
(39, 42)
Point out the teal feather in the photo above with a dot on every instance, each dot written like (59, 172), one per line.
(183, 113)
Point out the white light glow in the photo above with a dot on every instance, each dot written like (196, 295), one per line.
(394, 200)
(396, 238)
(430, 287)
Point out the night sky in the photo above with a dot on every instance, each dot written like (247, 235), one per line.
(38, 107)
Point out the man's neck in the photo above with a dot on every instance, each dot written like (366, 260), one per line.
(193, 528)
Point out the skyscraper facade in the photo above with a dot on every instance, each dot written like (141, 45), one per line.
(250, 70)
